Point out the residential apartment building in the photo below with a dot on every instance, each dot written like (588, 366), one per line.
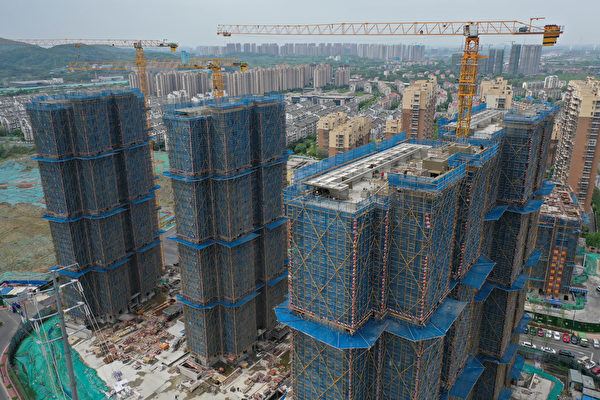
(266, 80)
(342, 76)
(352, 134)
(529, 62)
(325, 125)
(497, 93)
(418, 109)
(495, 62)
(405, 270)
(524, 59)
(392, 127)
(577, 129)
(322, 75)
(560, 222)
(227, 170)
(513, 60)
(96, 171)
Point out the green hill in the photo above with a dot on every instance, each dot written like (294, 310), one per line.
(20, 61)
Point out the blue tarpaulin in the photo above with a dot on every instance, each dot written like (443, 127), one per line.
(437, 326)
(479, 272)
(523, 323)
(505, 394)
(468, 378)
(515, 371)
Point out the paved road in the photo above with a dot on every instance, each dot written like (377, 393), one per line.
(169, 247)
(579, 351)
(10, 324)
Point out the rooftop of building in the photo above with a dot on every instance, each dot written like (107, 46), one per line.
(360, 179)
(562, 204)
(205, 107)
(484, 124)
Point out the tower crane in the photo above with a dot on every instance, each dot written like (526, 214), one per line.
(138, 45)
(471, 30)
(216, 65)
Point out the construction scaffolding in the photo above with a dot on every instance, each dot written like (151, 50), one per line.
(422, 229)
(497, 322)
(423, 321)
(97, 176)
(226, 167)
(560, 222)
(525, 143)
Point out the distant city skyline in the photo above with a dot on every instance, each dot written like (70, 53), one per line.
(194, 23)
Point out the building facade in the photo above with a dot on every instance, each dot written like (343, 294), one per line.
(96, 172)
(577, 154)
(496, 94)
(392, 127)
(227, 171)
(342, 77)
(418, 109)
(529, 62)
(322, 75)
(379, 308)
(325, 125)
(350, 135)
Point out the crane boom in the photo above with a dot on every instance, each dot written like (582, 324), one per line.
(100, 42)
(386, 28)
(471, 30)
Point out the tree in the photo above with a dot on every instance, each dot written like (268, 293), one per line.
(300, 148)
(592, 239)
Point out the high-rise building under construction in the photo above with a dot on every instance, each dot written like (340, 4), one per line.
(96, 172)
(227, 171)
(406, 262)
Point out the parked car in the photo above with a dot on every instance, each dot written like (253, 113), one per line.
(548, 350)
(574, 339)
(598, 288)
(566, 338)
(583, 360)
(549, 333)
(596, 370)
(566, 353)
(556, 335)
(540, 332)
(528, 344)
(583, 342)
(596, 343)
(590, 364)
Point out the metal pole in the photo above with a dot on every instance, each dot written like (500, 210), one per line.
(63, 328)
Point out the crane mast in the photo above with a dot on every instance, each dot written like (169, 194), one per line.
(471, 30)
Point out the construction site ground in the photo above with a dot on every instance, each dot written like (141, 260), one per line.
(145, 357)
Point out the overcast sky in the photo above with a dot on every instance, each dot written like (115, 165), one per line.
(193, 22)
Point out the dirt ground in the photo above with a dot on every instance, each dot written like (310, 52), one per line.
(25, 243)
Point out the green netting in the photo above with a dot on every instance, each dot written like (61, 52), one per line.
(20, 184)
(591, 262)
(160, 161)
(33, 371)
(558, 385)
(579, 303)
(25, 276)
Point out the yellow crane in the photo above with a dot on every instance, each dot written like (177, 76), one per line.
(138, 45)
(216, 65)
(471, 30)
